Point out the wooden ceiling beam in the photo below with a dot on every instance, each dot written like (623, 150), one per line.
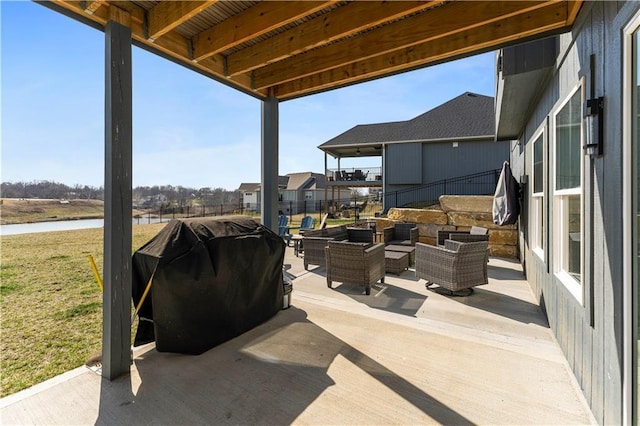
(430, 25)
(167, 15)
(91, 6)
(254, 22)
(172, 44)
(342, 22)
(574, 8)
(493, 35)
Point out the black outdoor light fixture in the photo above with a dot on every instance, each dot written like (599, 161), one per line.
(358, 151)
(594, 123)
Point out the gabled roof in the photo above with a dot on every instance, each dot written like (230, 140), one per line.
(469, 115)
(249, 187)
(291, 181)
(305, 180)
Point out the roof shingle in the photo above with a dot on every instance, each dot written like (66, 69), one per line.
(466, 116)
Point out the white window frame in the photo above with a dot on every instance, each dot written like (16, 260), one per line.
(560, 212)
(629, 341)
(537, 198)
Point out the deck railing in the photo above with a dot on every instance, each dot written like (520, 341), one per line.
(483, 183)
(355, 174)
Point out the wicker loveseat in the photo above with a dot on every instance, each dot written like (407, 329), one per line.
(403, 234)
(355, 263)
(476, 233)
(315, 241)
(456, 266)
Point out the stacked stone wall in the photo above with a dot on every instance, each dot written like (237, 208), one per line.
(457, 213)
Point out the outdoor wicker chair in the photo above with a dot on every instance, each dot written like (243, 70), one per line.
(355, 263)
(456, 267)
(476, 233)
(404, 234)
(315, 241)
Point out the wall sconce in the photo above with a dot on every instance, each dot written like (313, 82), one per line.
(594, 122)
(358, 151)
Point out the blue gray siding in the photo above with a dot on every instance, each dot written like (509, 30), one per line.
(590, 334)
(411, 164)
(441, 160)
(404, 164)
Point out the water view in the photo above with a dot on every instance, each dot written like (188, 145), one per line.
(66, 225)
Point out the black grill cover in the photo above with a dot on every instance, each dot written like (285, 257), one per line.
(213, 279)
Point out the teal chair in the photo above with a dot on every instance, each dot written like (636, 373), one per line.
(283, 227)
(306, 224)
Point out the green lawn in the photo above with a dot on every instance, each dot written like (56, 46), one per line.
(51, 305)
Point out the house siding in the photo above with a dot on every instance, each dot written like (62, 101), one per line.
(441, 160)
(427, 162)
(591, 335)
(404, 164)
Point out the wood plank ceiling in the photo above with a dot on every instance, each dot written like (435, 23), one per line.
(289, 49)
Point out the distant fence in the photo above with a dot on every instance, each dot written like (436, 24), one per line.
(483, 183)
(202, 210)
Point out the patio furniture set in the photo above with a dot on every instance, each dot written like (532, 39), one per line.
(351, 255)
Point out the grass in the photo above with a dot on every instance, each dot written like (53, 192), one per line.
(51, 305)
(30, 210)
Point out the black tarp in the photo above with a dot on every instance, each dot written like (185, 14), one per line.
(506, 202)
(213, 279)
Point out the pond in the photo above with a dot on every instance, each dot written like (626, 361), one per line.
(66, 225)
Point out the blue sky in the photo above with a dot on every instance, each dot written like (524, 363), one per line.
(187, 129)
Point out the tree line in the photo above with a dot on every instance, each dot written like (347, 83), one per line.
(152, 196)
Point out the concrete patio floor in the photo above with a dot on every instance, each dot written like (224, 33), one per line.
(403, 355)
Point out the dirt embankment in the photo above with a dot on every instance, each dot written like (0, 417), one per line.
(22, 210)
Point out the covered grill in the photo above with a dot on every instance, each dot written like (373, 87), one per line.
(212, 280)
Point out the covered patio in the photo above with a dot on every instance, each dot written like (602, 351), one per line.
(403, 355)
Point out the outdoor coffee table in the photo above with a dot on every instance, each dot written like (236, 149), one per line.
(410, 250)
(395, 262)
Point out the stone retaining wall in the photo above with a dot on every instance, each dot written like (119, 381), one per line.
(457, 213)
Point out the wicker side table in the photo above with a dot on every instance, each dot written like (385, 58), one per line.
(395, 262)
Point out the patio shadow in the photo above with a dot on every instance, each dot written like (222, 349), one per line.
(269, 375)
(386, 297)
(504, 305)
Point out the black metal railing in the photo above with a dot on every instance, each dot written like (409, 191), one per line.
(483, 183)
(352, 205)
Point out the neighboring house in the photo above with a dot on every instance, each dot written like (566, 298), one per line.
(250, 196)
(151, 201)
(304, 193)
(571, 104)
(452, 140)
(298, 193)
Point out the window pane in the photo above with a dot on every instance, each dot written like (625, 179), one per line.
(538, 166)
(573, 228)
(568, 144)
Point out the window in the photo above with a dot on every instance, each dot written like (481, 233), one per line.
(537, 196)
(567, 193)
(308, 195)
